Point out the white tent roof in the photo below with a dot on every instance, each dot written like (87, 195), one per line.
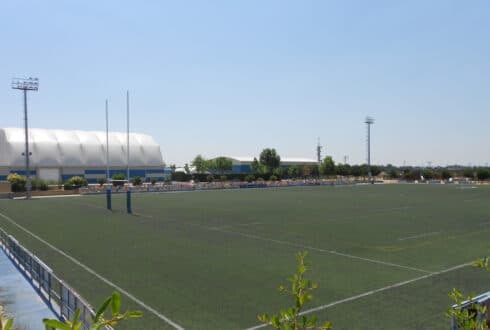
(60, 148)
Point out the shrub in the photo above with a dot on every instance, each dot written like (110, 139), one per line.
(223, 178)
(118, 176)
(250, 178)
(153, 181)
(482, 174)
(101, 181)
(273, 178)
(259, 179)
(136, 181)
(17, 181)
(210, 178)
(75, 182)
(39, 184)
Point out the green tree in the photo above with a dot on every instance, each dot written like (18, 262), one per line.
(200, 164)
(482, 174)
(293, 171)
(375, 170)
(428, 174)
(392, 173)
(301, 291)
(173, 168)
(255, 165)
(327, 166)
(119, 177)
(136, 181)
(278, 172)
(306, 171)
(223, 164)
(469, 173)
(445, 174)
(270, 158)
(343, 169)
(356, 171)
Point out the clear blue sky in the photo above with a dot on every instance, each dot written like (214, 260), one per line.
(233, 77)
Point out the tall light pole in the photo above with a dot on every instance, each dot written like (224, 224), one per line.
(128, 192)
(108, 173)
(319, 156)
(29, 84)
(369, 121)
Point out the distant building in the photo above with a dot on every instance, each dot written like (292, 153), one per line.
(242, 165)
(60, 154)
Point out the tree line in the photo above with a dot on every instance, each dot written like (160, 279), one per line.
(267, 166)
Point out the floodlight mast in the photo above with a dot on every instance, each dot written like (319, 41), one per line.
(369, 121)
(29, 84)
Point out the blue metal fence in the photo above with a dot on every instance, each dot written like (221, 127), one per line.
(61, 298)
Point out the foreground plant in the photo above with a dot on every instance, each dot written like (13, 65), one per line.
(301, 288)
(470, 317)
(7, 325)
(99, 321)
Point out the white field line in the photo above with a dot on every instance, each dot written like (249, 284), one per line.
(369, 293)
(100, 277)
(419, 236)
(240, 224)
(256, 237)
(484, 223)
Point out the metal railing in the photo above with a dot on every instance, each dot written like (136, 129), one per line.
(60, 297)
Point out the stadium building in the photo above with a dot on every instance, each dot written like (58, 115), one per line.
(60, 154)
(243, 165)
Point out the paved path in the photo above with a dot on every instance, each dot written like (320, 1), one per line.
(19, 298)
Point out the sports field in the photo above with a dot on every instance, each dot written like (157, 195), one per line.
(385, 256)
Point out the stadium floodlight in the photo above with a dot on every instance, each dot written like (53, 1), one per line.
(29, 84)
(108, 177)
(128, 192)
(369, 121)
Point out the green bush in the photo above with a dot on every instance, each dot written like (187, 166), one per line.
(136, 181)
(18, 182)
(75, 182)
(259, 179)
(250, 178)
(273, 178)
(153, 181)
(101, 181)
(118, 176)
(223, 178)
(210, 178)
(39, 184)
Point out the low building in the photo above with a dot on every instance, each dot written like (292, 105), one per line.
(60, 154)
(242, 165)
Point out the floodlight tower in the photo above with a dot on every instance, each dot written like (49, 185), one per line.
(369, 121)
(319, 152)
(29, 84)
(319, 156)
(128, 192)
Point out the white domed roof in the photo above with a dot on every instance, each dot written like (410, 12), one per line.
(60, 148)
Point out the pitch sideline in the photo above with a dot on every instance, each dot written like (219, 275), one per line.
(100, 277)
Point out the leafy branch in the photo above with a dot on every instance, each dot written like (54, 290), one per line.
(301, 288)
(99, 321)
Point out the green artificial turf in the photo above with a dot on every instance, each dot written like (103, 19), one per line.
(214, 259)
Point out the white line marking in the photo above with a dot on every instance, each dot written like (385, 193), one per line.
(419, 236)
(484, 223)
(369, 293)
(129, 295)
(314, 249)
